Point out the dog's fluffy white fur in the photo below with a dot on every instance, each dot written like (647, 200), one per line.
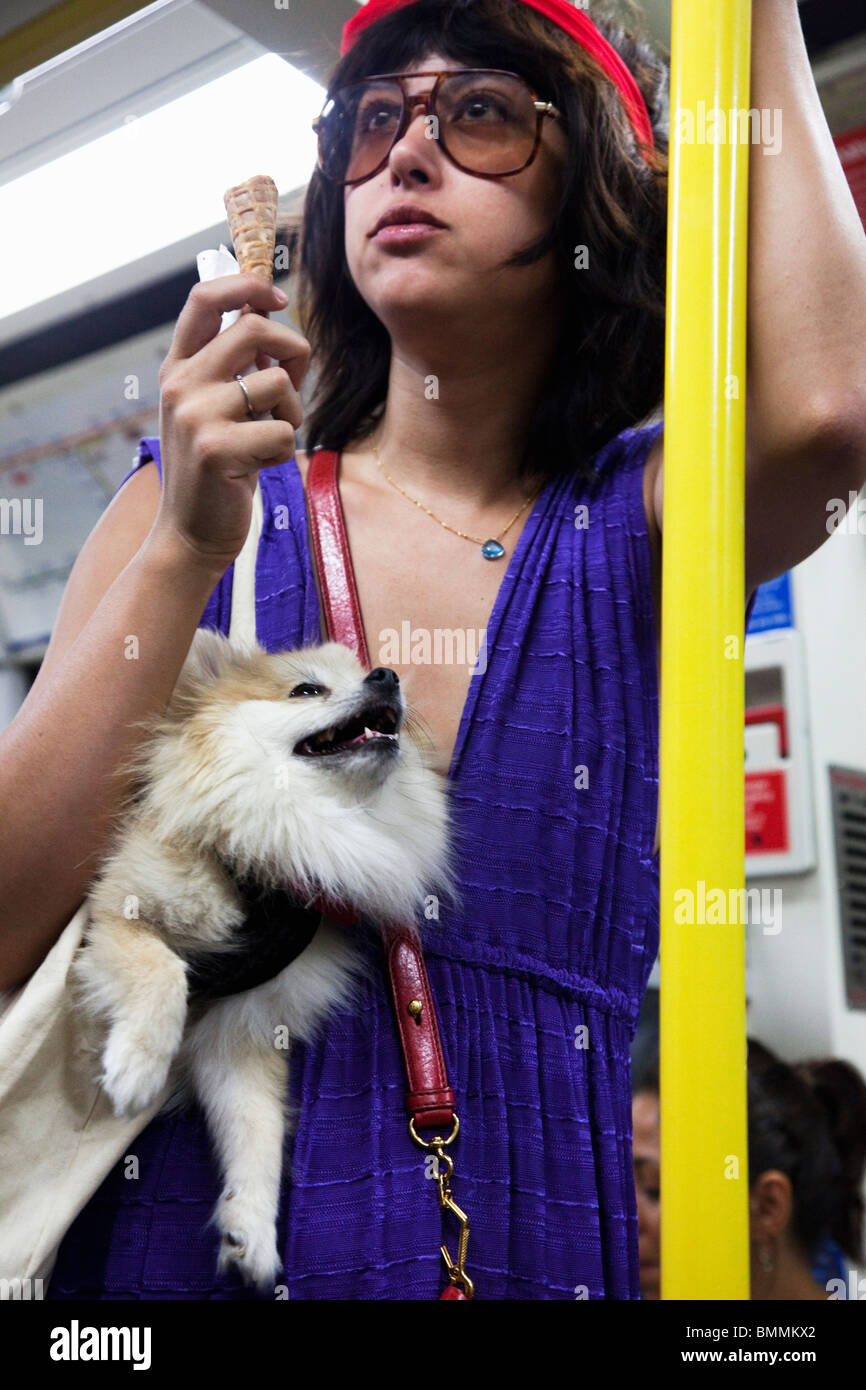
(222, 773)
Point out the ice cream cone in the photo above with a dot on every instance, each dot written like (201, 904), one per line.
(251, 208)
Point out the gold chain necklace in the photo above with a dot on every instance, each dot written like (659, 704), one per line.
(491, 549)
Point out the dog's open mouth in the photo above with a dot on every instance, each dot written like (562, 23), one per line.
(376, 725)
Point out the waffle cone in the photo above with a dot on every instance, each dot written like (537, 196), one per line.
(251, 208)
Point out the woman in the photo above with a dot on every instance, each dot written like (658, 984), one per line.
(491, 372)
(807, 1155)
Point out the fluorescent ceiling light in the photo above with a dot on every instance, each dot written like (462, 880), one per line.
(155, 180)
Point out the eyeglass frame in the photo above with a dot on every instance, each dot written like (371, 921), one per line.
(428, 101)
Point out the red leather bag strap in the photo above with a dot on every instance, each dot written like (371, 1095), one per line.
(429, 1097)
(333, 560)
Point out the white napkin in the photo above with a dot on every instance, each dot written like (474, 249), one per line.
(211, 264)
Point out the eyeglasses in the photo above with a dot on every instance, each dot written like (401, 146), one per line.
(488, 122)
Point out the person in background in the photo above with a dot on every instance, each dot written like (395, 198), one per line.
(807, 1154)
(646, 1157)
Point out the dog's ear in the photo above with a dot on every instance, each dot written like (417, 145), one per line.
(209, 656)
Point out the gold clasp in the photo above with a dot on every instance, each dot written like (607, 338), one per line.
(444, 1171)
(438, 1141)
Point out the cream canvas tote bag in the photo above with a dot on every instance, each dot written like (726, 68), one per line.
(59, 1136)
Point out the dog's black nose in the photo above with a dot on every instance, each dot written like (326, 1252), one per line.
(382, 677)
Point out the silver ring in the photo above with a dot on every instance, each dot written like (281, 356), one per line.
(242, 385)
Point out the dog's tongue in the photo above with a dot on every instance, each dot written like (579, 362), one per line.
(350, 742)
(364, 736)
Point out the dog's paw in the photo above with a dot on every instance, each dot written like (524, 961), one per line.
(248, 1240)
(133, 1071)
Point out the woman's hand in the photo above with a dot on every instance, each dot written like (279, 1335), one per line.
(211, 449)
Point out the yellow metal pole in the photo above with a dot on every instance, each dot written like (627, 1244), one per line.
(704, 1162)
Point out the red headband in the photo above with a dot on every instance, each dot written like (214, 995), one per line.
(574, 21)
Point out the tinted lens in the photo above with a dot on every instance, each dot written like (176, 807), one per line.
(487, 123)
(358, 127)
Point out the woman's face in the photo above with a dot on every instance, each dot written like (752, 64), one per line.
(450, 278)
(646, 1150)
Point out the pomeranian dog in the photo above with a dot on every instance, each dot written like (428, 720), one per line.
(270, 780)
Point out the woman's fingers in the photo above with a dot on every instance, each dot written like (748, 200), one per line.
(212, 444)
(270, 389)
(201, 316)
(263, 444)
(245, 342)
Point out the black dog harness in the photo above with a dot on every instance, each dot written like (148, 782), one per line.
(277, 928)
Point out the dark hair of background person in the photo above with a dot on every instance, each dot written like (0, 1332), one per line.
(808, 1121)
(609, 365)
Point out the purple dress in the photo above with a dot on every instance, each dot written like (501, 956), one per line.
(538, 981)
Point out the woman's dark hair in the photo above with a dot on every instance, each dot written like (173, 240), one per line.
(808, 1121)
(648, 1079)
(609, 363)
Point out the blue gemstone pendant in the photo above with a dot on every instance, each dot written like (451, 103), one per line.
(492, 550)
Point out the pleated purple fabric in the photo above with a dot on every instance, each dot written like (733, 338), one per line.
(538, 980)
